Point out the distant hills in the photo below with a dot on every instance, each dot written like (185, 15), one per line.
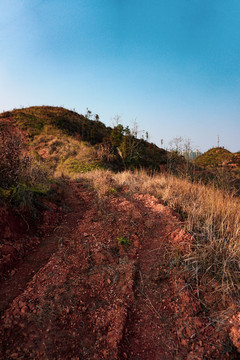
(219, 157)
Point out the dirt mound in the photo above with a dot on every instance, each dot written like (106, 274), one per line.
(111, 290)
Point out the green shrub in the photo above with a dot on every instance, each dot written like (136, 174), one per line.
(77, 166)
(112, 191)
(123, 241)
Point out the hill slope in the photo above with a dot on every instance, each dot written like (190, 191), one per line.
(217, 157)
(75, 143)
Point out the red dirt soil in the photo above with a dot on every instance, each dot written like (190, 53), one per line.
(94, 298)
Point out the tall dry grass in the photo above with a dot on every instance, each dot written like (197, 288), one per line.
(212, 216)
(22, 176)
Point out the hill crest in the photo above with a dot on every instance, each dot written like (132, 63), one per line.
(52, 129)
(218, 157)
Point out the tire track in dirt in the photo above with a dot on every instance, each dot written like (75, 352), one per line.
(50, 242)
(76, 305)
(167, 320)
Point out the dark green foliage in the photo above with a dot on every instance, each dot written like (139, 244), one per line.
(136, 153)
(116, 136)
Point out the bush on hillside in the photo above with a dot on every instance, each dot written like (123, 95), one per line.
(12, 160)
(21, 176)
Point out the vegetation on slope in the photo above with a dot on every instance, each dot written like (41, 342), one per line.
(59, 134)
(220, 167)
(22, 177)
(216, 157)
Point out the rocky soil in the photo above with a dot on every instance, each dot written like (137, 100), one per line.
(103, 284)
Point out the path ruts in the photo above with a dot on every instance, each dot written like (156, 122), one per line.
(50, 242)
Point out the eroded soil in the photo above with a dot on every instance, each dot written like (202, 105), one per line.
(94, 296)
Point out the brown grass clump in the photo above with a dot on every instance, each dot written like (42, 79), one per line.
(11, 147)
(212, 216)
(104, 185)
(21, 175)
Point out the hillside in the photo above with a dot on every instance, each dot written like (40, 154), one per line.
(218, 157)
(219, 167)
(103, 259)
(73, 143)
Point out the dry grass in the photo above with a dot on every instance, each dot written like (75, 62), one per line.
(22, 177)
(65, 155)
(211, 216)
(17, 164)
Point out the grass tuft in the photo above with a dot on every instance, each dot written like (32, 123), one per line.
(123, 241)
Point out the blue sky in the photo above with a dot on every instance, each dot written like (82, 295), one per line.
(171, 65)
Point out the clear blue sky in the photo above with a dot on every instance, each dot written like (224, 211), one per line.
(173, 65)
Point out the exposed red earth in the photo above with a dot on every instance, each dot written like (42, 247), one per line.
(86, 293)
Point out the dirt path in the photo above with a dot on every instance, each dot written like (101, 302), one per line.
(166, 321)
(16, 283)
(97, 297)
